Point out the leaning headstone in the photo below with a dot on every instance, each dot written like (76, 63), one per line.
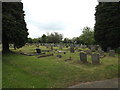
(95, 59)
(112, 53)
(83, 57)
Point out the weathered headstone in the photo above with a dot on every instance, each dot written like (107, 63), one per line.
(83, 57)
(112, 53)
(95, 58)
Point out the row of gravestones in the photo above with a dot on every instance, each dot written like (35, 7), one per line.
(95, 58)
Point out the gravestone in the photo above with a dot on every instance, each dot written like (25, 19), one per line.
(72, 49)
(66, 46)
(108, 49)
(112, 53)
(59, 56)
(51, 47)
(83, 57)
(101, 53)
(38, 50)
(88, 51)
(93, 48)
(60, 47)
(99, 49)
(64, 52)
(95, 58)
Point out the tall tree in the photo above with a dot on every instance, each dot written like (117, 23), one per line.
(87, 36)
(44, 38)
(54, 37)
(13, 25)
(107, 26)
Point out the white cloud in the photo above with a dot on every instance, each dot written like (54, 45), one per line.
(64, 16)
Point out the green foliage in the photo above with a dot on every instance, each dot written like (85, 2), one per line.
(13, 24)
(107, 26)
(54, 38)
(35, 40)
(30, 40)
(87, 36)
(44, 38)
(67, 40)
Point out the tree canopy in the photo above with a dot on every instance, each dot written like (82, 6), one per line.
(54, 37)
(87, 36)
(107, 26)
(13, 24)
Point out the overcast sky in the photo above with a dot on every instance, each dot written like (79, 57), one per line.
(67, 17)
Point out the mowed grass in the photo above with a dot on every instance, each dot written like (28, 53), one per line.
(20, 71)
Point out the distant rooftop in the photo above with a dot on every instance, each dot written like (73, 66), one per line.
(10, 0)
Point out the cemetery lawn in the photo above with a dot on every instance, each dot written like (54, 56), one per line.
(20, 71)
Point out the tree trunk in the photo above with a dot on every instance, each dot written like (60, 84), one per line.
(5, 47)
(5, 44)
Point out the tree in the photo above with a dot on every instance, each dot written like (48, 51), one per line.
(30, 40)
(107, 26)
(87, 36)
(13, 25)
(44, 38)
(54, 37)
(35, 40)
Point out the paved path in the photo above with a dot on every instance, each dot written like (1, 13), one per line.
(110, 83)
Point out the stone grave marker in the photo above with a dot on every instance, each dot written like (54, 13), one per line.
(88, 51)
(83, 57)
(93, 48)
(51, 47)
(95, 58)
(59, 56)
(101, 53)
(72, 49)
(38, 50)
(60, 47)
(112, 53)
(99, 49)
(108, 49)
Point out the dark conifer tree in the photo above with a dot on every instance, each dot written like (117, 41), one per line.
(13, 25)
(107, 26)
